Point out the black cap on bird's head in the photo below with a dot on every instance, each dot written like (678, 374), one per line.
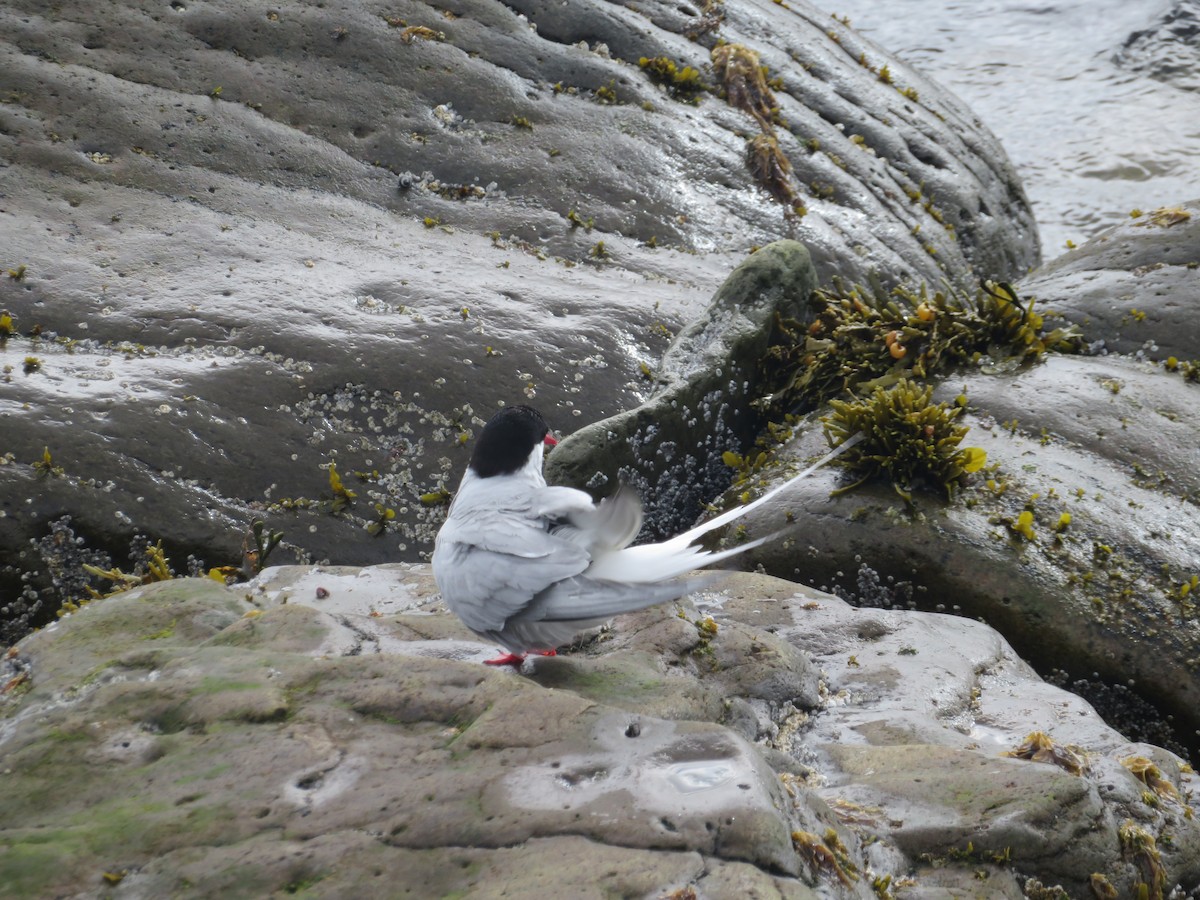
(508, 439)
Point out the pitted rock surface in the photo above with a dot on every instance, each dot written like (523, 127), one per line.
(187, 738)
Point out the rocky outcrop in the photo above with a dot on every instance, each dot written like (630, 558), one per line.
(1131, 289)
(1102, 450)
(670, 447)
(254, 244)
(332, 731)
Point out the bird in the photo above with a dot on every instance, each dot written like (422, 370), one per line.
(529, 565)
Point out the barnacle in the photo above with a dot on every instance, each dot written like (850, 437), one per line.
(906, 438)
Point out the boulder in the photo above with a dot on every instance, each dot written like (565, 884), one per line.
(332, 730)
(248, 247)
(1132, 288)
(1101, 449)
(670, 447)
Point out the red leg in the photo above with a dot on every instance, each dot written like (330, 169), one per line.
(508, 659)
(515, 659)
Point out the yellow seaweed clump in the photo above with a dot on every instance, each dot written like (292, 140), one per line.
(745, 82)
(1040, 747)
(682, 82)
(1139, 845)
(863, 337)
(1150, 775)
(772, 171)
(827, 856)
(907, 438)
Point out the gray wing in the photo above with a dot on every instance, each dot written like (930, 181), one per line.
(581, 599)
(490, 566)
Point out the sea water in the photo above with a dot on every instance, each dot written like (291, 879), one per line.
(1097, 102)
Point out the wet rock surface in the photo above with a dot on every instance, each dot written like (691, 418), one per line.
(1132, 289)
(251, 244)
(1102, 450)
(188, 739)
(1167, 50)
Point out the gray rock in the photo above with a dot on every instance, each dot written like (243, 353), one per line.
(1167, 49)
(258, 242)
(1132, 288)
(1110, 442)
(1100, 595)
(189, 739)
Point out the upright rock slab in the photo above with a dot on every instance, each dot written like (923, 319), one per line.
(670, 447)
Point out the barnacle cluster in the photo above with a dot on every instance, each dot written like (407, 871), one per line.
(906, 437)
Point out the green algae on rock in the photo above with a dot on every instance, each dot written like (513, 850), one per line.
(187, 739)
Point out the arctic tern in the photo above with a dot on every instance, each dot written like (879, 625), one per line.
(529, 566)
